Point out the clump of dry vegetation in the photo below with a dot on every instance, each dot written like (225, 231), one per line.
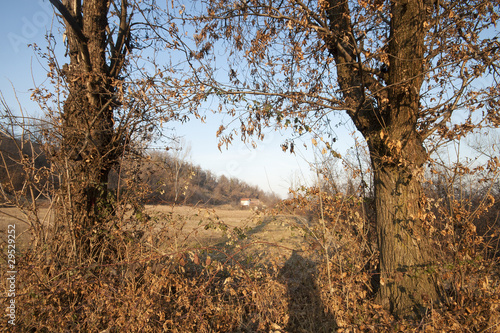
(318, 274)
(148, 277)
(310, 264)
(467, 272)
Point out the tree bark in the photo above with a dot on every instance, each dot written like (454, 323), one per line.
(406, 266)
(89, 146)
(385, 110)
(398, 157)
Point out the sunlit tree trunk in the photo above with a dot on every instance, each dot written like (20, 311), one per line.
(406, 265)
(388, 121)
(90, 147)
(398, 156)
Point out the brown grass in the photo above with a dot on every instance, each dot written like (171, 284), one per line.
(19, 218)
(192, 269)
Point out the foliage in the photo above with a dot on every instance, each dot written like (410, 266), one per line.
(158, 278)
(104, 105)
(341, 228)
(136, 270)
(401, 71)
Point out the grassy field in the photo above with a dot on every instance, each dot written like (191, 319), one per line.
(220, 269)
(194, 226)
(249, 233)
(20, 218)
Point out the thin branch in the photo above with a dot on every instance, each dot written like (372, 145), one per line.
(77, 29)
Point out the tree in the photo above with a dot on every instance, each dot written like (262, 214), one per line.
(180, 153)
(401, 69)
(104, 102)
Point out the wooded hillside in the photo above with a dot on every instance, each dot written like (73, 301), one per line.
(18, 158)
(164, 178)
(169, 180)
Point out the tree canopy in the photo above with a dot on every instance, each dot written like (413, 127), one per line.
(282, 57)
(402, 70)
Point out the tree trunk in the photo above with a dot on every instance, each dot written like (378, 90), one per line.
(89, 145)
(406, 278)
(398, 157)
(385, 110)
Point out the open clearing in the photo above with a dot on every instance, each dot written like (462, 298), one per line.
(242, 234)
(19, 218)
(199, 227)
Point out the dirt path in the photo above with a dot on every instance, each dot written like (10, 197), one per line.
(265, 236)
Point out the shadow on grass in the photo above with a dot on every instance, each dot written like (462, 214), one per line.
(305, 307)
(289, 220)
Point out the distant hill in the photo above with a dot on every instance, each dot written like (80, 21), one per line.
(16, 157)
(164, 178)
(171, 180)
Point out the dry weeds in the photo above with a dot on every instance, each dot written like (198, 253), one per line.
(188, 269)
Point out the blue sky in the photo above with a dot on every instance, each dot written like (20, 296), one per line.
(27, 21)
(22, 22)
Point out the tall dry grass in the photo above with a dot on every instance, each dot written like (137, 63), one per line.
(310, 265)
(156, 279)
